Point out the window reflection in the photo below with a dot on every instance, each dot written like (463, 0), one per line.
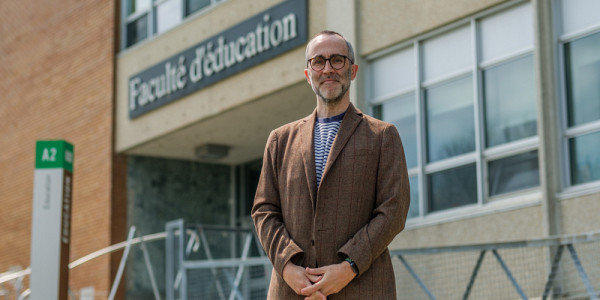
(134, 6)
(414, 210)
(583, 80)
(147, 18)
(513, 173)
(509, 31)
(137, 30)
(585, 158)
(439, 71)
(193, 6)
(392, 73)
(510, 107)
(447, 53)
(168, 14)
(400, 111)
(452, 188)
(450, 119)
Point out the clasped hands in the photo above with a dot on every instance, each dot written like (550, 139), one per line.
(318, 283)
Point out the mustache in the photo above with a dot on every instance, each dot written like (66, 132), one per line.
(332, 76)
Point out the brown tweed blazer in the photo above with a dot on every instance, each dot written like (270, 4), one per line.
(360, 206)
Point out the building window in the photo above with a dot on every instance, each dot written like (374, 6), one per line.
(168, 14)
(464, 103)
(146, 18)
(579, 41)
(452, 188)
(192, 6)
(513, 173)
(401, 112)
(136, 20)
(449, 127)
(508, 89)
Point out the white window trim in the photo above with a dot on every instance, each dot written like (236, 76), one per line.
(390, 96)
(580, 190)
(464, 72)
(503, 59)
(151, 13)
(450, 163)
(586, 128)
(568, 190)
(511, 148)
(485, 204)
(502, 203)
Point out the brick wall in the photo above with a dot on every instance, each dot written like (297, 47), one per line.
(56, 82)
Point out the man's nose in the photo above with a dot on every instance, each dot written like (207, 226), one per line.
(328, 67)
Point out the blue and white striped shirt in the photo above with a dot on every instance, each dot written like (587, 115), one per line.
(325, 131)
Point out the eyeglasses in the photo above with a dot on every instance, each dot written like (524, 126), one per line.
(336, 61)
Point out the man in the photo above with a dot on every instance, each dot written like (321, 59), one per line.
(333, 191)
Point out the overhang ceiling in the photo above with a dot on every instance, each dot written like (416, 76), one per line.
(243, 128)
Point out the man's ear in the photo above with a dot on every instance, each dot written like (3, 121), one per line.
(307, 75)
(354, 71)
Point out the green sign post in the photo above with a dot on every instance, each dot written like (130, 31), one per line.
(51, 228)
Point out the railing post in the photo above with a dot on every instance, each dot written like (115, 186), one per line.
(474, 275)
(171, 228)
(113, 290)
(509, 274)
(149, 267)
(416, 277)
(553, 271)
(209, 257)
(238, 277)
(582, 274)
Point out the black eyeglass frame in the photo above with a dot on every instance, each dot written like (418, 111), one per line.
(309, 62)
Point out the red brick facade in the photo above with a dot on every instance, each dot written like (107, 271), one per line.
(57, 82)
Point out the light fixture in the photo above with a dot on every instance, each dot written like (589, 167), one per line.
(211, 151)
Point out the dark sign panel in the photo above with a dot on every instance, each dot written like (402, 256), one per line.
(262, 37)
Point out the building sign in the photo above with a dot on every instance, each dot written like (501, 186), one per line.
(255, 40)
(51, 228)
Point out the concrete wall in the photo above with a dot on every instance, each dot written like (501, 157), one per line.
(579, 214)
(511, 225)
(265, 79)
(447, 274)
(385, 23)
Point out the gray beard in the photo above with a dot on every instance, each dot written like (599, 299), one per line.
(337, 98)
(334, 99)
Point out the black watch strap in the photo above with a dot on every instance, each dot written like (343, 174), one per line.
(352, 265)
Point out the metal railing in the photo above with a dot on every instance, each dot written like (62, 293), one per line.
(519, 270)
(17, 277)
(216, 262)
(234, 271)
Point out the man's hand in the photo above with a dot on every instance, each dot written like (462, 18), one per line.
(334, 279)
(316, 296)
(298, 279)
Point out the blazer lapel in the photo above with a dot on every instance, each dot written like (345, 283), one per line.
(307, 148)
(349, 123)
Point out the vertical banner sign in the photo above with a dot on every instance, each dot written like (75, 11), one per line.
(51, 229)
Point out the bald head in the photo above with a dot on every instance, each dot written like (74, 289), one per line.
(317, 36)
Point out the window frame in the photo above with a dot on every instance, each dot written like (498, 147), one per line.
(567, 188)
(481, 156)
(152, 19)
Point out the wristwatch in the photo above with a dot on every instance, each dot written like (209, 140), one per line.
(352, 265)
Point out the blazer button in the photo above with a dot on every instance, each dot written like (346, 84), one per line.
(312, 242)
